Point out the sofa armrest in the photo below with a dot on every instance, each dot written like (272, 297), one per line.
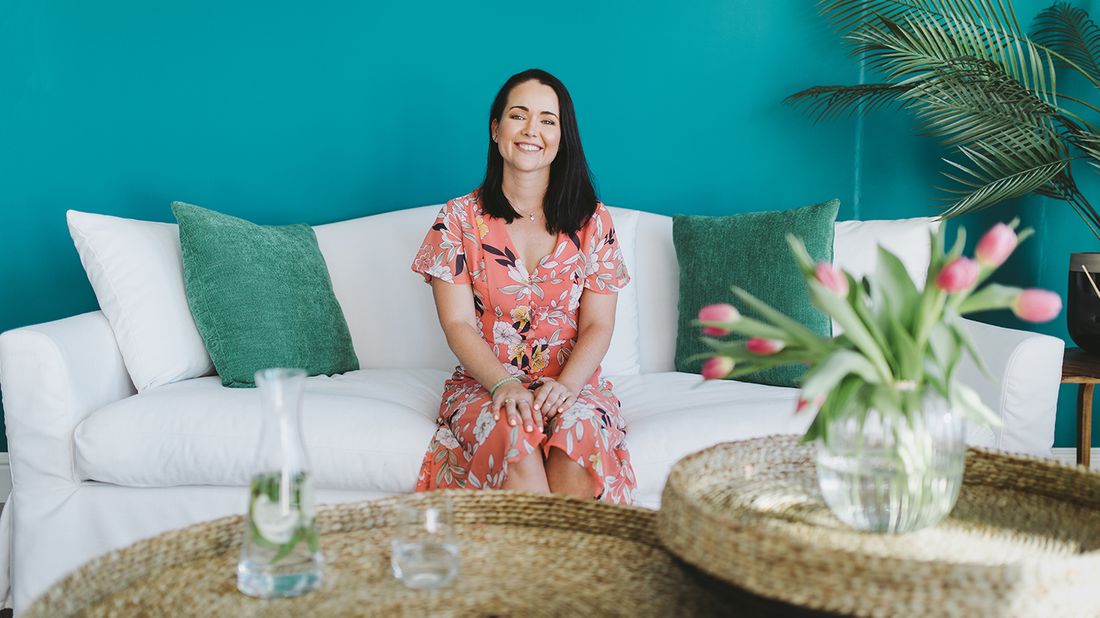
(1026, 371)
(52, 376)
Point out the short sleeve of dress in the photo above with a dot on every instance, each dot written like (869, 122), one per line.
(442, 254)
(605, 271)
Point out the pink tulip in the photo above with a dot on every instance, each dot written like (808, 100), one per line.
(804, 404)
(997, 244)
(764, 347)
(721, 312)
(958, 275)
(717, 367)
(832, 278)
(1035, 305)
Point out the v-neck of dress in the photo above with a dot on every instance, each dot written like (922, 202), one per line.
(512, 244)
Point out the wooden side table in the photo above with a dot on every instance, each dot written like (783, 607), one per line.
(1083, 369)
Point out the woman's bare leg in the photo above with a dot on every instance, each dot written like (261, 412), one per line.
(566, 476)
(527, 474)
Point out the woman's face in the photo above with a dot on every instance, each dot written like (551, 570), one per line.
(530, 130)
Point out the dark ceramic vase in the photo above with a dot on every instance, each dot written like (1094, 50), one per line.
(1083, 308)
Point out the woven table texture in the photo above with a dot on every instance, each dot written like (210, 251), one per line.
(1022, 540)
(522, 554)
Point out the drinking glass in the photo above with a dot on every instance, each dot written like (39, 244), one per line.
(425, 555)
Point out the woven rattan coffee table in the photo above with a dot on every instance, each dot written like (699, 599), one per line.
(522, 555)
(1023, 540)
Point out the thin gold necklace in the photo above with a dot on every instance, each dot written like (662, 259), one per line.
(530, 216)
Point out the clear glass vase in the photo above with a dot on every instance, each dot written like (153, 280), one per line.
(891, 472)
(280, 553)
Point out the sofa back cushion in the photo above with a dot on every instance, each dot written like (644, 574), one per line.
(390, 311)
(657, 278)
(136, 271)
(855, 248)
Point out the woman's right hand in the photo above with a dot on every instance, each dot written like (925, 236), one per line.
(518, 404)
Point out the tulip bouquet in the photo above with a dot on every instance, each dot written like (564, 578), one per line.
(898, 342)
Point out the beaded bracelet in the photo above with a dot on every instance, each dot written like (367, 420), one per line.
(502, 381)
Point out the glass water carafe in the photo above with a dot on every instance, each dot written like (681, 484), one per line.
(280, 552)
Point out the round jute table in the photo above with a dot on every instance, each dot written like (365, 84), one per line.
(1023, 539)
(522, 554)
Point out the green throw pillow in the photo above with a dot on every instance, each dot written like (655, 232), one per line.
(261, 296)
(749, 251)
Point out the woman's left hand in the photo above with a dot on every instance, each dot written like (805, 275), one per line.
(553, 397)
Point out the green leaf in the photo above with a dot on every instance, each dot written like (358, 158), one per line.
(992, 296)
(906, 351)
(837, 405)
(823, 377)
(793, 330)
(959, 328)
(937, 237)
(286, 548)
(967, 402)
(824, 103)
(801, 256)
(313, 539)
(1070, 31)
(945, 350)
(856, 300)
(997, 186)
(885, 399)
(747, 327)
(894, 284)
(854, 329)
(816, 430)
(959, 246)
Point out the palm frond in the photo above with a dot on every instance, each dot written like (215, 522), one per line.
(969, 100)
(1070, 31)
(849, 15)
(1089, 143)
(828, 102)
(909, 50)
(983, 29)
(1003, 167)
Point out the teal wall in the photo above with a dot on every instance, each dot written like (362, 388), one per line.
(287, 111)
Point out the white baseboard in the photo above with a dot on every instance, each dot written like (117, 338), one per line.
(1065, 454)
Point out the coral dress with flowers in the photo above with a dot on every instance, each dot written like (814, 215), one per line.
(529, 318)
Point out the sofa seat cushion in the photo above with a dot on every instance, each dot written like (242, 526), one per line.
(364, 430)
(673, 414)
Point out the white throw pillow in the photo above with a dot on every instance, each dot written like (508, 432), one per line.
(856, 243)
(136, 270)
(623, 354)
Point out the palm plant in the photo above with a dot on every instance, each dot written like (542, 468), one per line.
(979, 83)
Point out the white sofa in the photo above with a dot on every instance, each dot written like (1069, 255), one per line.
(96, 466)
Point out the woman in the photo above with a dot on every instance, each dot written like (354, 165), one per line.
(525, 272)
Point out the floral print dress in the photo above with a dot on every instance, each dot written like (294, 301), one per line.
(529, 319)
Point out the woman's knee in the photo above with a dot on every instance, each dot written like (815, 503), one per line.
(567, 476)
(527, 473)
